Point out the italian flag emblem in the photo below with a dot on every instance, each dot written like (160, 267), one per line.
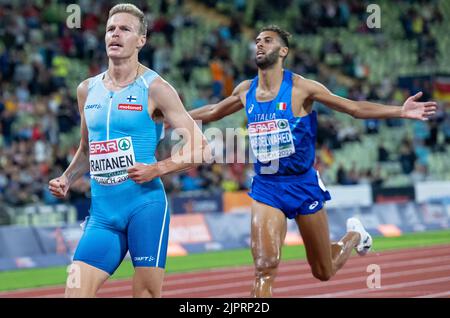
(281, 106)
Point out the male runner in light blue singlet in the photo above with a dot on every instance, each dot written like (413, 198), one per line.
(129, 209)
(282, 132)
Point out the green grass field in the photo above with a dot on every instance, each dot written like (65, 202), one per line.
(29, 278)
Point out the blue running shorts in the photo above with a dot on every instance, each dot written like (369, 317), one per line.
(292, 194)
(128, 221)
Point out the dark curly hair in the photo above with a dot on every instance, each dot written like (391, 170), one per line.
(284, 35)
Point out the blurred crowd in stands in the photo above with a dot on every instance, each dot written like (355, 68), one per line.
(38, 110)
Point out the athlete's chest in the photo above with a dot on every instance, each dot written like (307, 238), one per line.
(296, 99)
(263, 106)
(125, 110)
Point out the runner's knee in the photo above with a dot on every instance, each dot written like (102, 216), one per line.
(147, 283)
(147, 292)
(266, 265)
(322, 273)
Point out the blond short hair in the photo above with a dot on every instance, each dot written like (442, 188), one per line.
(133, 10)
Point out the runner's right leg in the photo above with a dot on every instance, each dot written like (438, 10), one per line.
(267, 237)
(84, 280)
(100, 251)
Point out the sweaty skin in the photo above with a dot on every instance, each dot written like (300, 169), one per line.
(268, 224)
(267, 236)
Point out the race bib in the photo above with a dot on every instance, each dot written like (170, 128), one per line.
(271, 139)
(109, 160)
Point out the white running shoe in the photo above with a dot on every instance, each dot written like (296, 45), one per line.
(365, 244)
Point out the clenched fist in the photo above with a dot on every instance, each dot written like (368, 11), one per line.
(59, 186)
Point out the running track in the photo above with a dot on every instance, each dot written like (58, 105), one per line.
(418, 272)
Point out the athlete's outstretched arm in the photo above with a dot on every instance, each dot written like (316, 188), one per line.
(80, 163)
(193, 151)
(225, 107)
(411, 108)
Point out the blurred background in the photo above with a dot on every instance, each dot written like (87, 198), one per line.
(394, 174)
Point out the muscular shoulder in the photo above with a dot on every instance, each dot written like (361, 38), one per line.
(162, 95)
(300, 81)
(82, 92)
(242, 88)
(160, 88)
(83, 87)
(306, 86)
(159, 83)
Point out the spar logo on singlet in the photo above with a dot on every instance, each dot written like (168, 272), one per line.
(124, 144)
(102, 147)
(271, 139)
(109, 160)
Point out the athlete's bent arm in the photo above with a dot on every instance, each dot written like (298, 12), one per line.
(195, 149)
(411, 108)
(80, 163)
(225, 107)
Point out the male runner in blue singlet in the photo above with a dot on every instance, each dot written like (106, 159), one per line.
(282, 132)
(129, 209)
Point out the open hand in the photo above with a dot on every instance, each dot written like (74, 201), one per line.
(413, 109)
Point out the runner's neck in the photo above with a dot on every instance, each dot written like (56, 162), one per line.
(270, 79)
(122, 74)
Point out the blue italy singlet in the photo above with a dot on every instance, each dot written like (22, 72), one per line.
(124, 215)
(284, 148)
